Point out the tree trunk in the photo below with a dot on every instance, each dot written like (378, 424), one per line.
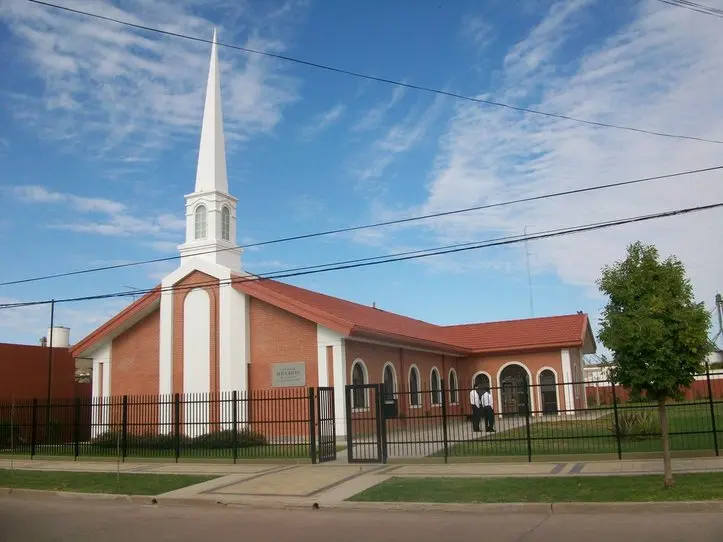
(667, 466)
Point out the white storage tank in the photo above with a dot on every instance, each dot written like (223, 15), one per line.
(60, 336)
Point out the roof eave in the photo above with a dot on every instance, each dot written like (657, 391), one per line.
(405, 340)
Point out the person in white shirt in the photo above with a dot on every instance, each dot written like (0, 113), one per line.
(488, 410)
(475, 399)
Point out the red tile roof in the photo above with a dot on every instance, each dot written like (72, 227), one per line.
(362, 321)
(531, 333)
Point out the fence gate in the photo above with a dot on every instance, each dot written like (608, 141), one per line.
(366, 442)
(327, 424)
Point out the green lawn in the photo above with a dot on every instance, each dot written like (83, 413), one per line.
(690, 427)
(689, 487)
(99, 482)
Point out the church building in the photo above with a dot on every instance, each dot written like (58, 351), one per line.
(212, 327)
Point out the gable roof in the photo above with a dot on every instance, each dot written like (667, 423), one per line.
(120, 322)
(364, 322)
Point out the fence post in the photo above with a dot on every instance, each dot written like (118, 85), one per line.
(312, 427)
(617, 422)
(34, 429)
(234, 427)
(124, 429)
(76, 427)
(712, 410)
(177, 423)
(527, 421)
(445, 435)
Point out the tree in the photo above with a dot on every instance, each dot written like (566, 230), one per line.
(656, 331)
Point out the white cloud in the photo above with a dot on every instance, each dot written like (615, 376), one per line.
(399, 138)
(323, 121)
(116, 84)
(373, 117)
(115, 220)
(479, 31)
(661, 71)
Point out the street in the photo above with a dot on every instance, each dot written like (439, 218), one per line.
(58, 520)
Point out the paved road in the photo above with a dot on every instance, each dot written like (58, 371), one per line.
(42, 521)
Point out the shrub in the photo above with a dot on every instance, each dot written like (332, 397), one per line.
(145, 441)
(245, 438)
(637, 424)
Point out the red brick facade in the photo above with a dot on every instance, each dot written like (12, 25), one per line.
(134, 355)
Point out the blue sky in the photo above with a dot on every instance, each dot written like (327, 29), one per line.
(100, 127)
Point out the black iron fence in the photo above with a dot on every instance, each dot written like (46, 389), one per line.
(530, 420)
(269, 424)
(543, 419)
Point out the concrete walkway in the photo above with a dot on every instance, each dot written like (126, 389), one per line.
(331, 484)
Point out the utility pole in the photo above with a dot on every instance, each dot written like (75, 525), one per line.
(719, 311)
(50, 366)
(529, 275)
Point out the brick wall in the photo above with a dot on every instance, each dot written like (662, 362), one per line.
(134, 355)
(277, 336)
(24, 372)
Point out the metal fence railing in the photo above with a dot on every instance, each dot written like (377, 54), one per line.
(267, 424)
(546, 418)
(539, 419)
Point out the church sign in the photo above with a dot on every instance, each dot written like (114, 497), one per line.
(288, 375)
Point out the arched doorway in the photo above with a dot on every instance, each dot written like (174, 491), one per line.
(389, 382)
(513, 390)
(548, 392)
(482, 379)
(359, 379)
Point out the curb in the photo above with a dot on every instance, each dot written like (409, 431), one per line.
(495, 508)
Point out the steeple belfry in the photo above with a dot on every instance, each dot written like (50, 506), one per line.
(210, 209)
(211, 171)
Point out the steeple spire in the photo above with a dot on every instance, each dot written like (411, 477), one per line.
(210, 209)
(211, 172)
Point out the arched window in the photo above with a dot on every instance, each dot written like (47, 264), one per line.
(389, 379)
(359, 378)
(225, 223)
(415, 398)
(453, 387)
(200, 222)
(436, 386)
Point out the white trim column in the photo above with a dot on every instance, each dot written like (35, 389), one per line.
(100, 413)
(165, 362)
(567, 379)
(326, 337)
(234, 350)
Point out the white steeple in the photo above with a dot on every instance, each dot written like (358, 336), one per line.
(210, 209)
(211, 172)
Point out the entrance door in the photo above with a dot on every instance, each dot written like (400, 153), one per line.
(548, 391)
(513, 384)
(364, 424)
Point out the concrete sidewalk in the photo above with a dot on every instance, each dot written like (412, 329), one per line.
(331, 484)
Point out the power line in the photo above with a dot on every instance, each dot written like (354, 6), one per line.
(692, 6)
(378, 260)
(368, 226)
(380, 79)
